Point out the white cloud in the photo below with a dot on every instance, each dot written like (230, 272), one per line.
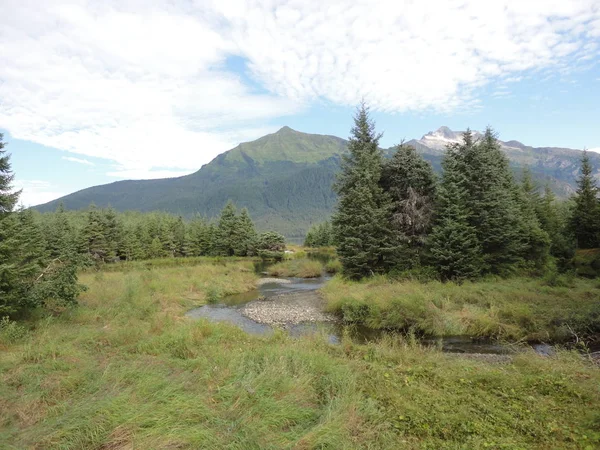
(147, 85)
(36, 192)
(595, 149)
(78, 160)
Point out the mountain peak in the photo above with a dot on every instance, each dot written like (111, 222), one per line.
(443, 133)
(285, 129)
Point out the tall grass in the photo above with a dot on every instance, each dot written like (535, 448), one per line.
(517, 308)
(125, 369)
(302, 268)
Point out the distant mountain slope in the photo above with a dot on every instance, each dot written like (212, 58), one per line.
(285, 179)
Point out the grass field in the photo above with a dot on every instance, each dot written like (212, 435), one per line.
(126, 370)
(517, 308)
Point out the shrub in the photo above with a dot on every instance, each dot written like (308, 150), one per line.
(11, 331)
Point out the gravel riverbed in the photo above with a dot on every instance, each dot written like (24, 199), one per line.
(288, 309)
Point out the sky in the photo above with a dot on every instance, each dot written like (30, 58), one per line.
(93, 92)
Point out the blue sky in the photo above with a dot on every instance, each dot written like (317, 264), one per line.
(94, 92)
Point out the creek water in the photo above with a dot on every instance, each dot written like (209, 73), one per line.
(230, 311)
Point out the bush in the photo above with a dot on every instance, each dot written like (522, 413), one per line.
(212, 295)
(11, 331)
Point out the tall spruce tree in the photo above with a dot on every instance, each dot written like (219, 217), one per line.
(246, 235)
(9, 278)
(361, 220)
(585, 218)
(410, 182)
(494, 212)
(60, 235)
(93, 239)
(535, 241)
(227, 230)
(8, 196)
(453, 244)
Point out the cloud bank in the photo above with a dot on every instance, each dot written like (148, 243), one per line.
(149, 85)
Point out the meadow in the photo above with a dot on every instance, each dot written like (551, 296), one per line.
(125, 369)
(530, 309)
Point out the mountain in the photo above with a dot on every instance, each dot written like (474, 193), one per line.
(557, 166)
(285, 179)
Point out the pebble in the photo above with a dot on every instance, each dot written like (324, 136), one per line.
(272, 280)
(288, 309)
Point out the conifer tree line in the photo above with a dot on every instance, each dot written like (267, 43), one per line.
(106, 236)
(395, 215)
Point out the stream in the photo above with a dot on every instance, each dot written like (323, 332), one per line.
(233, 310)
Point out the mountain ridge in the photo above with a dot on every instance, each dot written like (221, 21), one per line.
(284, 179)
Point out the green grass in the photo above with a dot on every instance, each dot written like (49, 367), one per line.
(126, 370)
(302, 268)
(333, 266)
(518, 308)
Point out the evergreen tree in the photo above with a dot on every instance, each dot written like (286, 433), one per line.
(93, 240)
(410, 182)
(454, 247)
(270, 245)
(60, 236)
(361, 221)
(156, 249)
(554, 222)
(494, 212)
(585, 218)
(198, 239)
(227, 233)
(246, 235)
(8, 197)
(535, 241)
(112, 230)
(320, 235)
(178, 233)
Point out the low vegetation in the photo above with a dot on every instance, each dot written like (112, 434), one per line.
(301, 268)
(125, 369)
(517, 308)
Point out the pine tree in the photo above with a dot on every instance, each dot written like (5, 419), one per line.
(10, 297)
(585, 218)
(198, 239)
(113, 234)
(320, 235)
(8, 197)
(94, 242)
(454, 247)
(156, 249)
(554, 221)
(361, 221)
(178, 233)
(60, 236)
(494, 212)
(227, 233)
(535, 241)
(270, 245)
(410, 182)
(246, 235)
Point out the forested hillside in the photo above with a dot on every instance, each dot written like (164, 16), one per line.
(284, 179)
